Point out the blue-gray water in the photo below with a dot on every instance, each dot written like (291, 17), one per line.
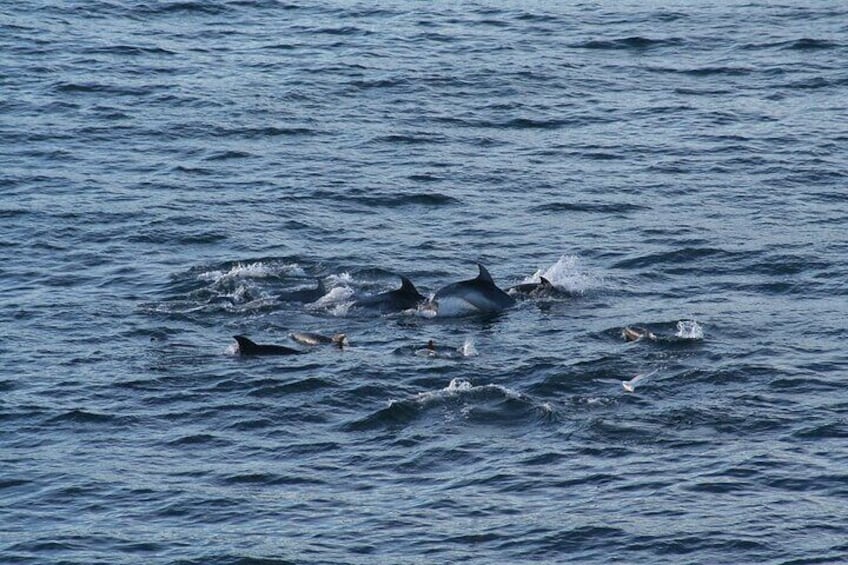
(170, 168)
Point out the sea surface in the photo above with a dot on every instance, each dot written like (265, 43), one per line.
(170, 170)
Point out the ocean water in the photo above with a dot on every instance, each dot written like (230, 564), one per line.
(170, 169)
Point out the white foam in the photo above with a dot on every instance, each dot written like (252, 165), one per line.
(569, 274)
(689, 329)
(255, 270)
(342, 279)
(427, 310)
(458, 385)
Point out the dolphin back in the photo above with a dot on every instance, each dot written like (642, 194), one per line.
(248, 347)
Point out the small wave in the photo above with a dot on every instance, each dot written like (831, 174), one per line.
(482, 404)
(80, 416)
(675, 257)
(128, 50)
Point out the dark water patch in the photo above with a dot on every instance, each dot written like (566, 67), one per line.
(82, 417)
(102, 89)
(809, 44)
(170, 235)
(262, 132)
(426, 199)
(537, 123)
(143, 10)
(714, 542)
(11, 484)
(269, 480)
(581, 540)
(200, 440)
(425, 177)
(127, 50)
(590, 207)
(633, 43)
(386, 83)
(235, 559)
(409, 139)
(829, 430)
(7, 213)
(705, 72)
(686, 255)
(228, 155)
(274, 389)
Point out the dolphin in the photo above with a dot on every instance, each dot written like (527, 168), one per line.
(305, 295)
(403, 298)
(544, 286)
(247, 347)
(635, 333)
(309, 338)
(477, 295)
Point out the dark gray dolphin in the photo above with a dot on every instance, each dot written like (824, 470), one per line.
(247, 347)
(544, 286)
(306, 295)
(403, 298)
(477, 295)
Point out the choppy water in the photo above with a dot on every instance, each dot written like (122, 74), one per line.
(169, 169)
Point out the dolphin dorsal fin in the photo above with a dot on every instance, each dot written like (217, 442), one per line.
(321, 288)
(245, 345)
(484, 274)
(407, 286)
(545, 282)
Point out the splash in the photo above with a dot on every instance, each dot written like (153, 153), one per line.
(458, 385)
(336, 302)
(468, 349)
(630, 385)
(570, 275)
(255, 270)
(689, 329)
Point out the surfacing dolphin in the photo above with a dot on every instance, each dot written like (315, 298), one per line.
(403, 298)
(478, 295)
(305, 295)
(543, 287)
(312, 339)
(247, 347)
